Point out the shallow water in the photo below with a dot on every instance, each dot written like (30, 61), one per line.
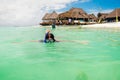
(82, 54)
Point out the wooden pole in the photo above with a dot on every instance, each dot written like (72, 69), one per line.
(116, 16)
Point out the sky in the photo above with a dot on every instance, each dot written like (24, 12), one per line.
(30, 12)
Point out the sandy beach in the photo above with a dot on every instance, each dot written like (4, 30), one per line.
(103, 25)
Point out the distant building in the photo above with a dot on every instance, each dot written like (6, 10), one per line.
(71, 17)
(49, 17)
(92, 18)
(114, 16)
(76, 15)
(102, 17)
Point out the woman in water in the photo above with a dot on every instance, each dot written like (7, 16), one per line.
(49, 37)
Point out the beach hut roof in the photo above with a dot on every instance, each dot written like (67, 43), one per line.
(114, 13)
(50, 16)
(102, 15)
(77, 10)
(92, 16)
(46, 16)
(74, 13)
(53, 15)
(78, 13)
(65, 14)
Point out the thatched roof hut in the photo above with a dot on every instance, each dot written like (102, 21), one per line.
(65, 15)
(53, 15)
(114, 16)
(102, 15)
(114, 13)
(78, 13)
(46, 16)
(75, 13)
(92, 16)
(50, 16)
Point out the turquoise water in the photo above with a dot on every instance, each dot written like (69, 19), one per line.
(83, 54)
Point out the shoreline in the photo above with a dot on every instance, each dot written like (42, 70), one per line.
(103, 25)
(94, 26)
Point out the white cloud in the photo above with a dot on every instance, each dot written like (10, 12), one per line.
(82, 1)
(28, 12)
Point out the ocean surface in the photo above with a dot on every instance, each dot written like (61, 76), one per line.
(82, 54)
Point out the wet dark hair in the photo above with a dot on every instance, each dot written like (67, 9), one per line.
(47, 37)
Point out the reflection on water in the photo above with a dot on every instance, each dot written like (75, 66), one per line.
(83, 54)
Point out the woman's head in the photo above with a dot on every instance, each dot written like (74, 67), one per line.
(50, 37)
